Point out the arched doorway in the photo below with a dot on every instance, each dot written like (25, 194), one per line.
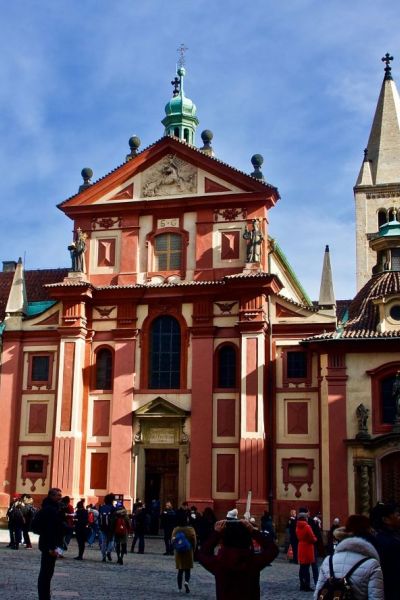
(390, 478)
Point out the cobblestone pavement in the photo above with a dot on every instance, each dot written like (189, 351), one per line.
(149, 576)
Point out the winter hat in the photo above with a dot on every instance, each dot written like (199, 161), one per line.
(303, 509)
(232, 514)
(302, 515)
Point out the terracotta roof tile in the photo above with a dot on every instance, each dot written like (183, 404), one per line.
(364, 313)
(35, 281)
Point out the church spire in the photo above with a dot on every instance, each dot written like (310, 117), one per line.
(180, 120)
(17, 301)
(326, 293)
(383, 149)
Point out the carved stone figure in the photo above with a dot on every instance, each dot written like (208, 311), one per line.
(77, 250)
(254, 239)
(362, 417)
(170, 176)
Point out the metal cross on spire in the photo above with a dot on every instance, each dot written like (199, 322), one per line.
(387, 59)
(181, 52)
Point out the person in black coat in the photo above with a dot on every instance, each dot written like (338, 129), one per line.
(50, 540)
(386, 521)
(139, 527)
(81, 528)
(168, 522)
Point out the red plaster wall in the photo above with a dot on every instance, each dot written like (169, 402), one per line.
(201, 436)
(297, 417)
(98, 471)
(229, 245)
(252, 469)
(37, 418)
(121, 414)
(106, 252)
(63, 464)
(339, 503)
(66, 407)
(10, 372)
(225, 417)
(251, 385)
(226, 472)
(101, 417)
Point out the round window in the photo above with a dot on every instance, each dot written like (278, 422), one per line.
(395, 312)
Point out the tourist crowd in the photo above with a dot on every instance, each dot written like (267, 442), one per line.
(363, 554)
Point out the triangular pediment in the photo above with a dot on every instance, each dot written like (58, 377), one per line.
(283, 311)
(169, 169)
(160, 407)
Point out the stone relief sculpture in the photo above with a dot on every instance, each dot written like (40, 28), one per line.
(168, 177)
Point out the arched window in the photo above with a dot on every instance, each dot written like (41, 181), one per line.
(176, 132)
(388, 400)
(226, 366)
(168, 252)
(103, 369)
(382, 217)
(186, 135)
(165, 354)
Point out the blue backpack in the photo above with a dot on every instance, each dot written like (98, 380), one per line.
(181, 543)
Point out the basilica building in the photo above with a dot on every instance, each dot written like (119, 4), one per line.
(179, 358)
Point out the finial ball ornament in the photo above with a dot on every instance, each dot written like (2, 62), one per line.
(87, 173)
(257, 160)
(134, 142)
(181, 72)
(207, 135)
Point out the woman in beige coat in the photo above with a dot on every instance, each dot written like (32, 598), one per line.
(183, 558)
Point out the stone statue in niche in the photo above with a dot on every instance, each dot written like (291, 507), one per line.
(254, 239)
(77, 250)
(362, 413)
(168, 177)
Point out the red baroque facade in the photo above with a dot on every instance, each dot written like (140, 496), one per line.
(170, 367)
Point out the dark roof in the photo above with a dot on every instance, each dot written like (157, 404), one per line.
(35, 281)
(363, 313)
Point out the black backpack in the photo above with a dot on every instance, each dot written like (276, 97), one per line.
(338, 588)
(36, 525)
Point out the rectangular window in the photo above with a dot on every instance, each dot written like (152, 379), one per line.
(40, 368)
(98, 471)
(296, 365)
(168, 250)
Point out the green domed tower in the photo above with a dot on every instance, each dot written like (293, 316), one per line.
(180, 120)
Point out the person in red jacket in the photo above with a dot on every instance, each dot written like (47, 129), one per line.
(305, 551)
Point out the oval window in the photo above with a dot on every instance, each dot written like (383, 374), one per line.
(395, 312)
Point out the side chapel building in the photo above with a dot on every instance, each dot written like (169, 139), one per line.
(169, 362)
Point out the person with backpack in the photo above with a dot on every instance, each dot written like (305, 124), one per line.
(106, 535)
(386, 521)
(354, 568)
(28, 512)
(93, 524)
(183, 541)
(120, 529)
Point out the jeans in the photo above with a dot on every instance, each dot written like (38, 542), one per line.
(47, 565)
(106, 543)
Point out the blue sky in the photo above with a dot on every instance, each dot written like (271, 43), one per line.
(296, 80)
